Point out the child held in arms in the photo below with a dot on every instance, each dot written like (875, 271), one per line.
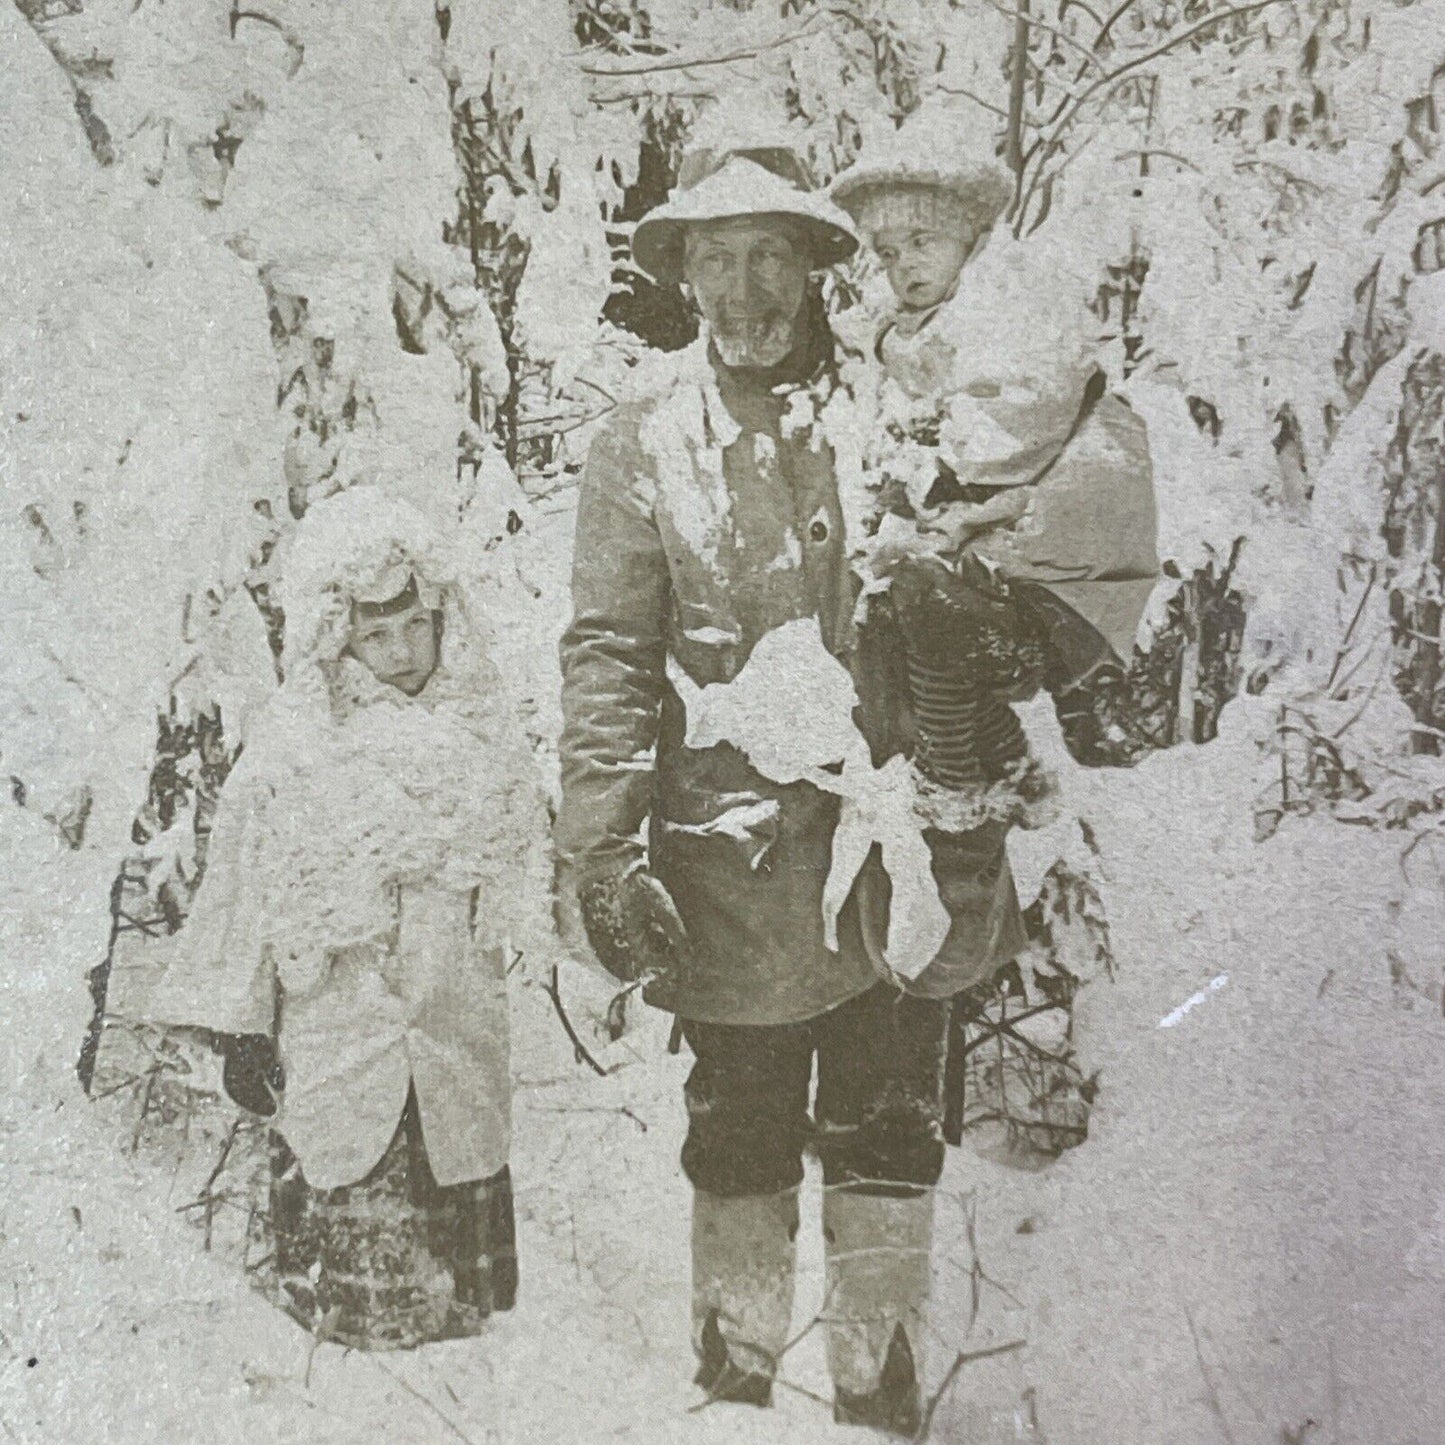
(378, 858)
(1002, 479)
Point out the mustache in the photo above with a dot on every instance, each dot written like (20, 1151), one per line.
(737, 319)
(754, 328)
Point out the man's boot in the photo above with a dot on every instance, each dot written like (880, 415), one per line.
(742, 1290)
(877, 1292)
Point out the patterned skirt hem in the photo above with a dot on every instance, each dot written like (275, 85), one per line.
(395, 1260)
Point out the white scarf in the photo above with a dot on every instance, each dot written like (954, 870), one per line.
(346, 791)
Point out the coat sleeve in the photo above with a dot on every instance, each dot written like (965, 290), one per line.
(219, 974)
(613, 659)
(1009, 415)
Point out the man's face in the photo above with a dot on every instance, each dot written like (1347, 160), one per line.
(397, 647)
(922, 265)
(750, 276)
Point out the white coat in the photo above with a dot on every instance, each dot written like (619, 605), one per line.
(374, 861)
(426, 1011)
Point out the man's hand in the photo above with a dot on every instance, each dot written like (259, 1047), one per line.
(252, 1072)
(632, 923)
(958, 620)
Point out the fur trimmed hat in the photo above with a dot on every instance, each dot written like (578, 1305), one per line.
(358, 545)
(898, 190)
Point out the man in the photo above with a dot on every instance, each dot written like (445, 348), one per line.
(704, 523)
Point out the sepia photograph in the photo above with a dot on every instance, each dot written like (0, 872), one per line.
(722, 721)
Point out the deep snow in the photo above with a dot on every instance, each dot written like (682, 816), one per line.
(1250, 1247)
(1250, 1239)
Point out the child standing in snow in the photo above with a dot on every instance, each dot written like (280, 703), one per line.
(379, 848)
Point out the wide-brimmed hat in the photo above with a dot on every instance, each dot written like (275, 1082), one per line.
(891, 190)
(721, 185)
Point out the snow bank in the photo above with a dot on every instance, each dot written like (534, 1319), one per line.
(1230, 1255)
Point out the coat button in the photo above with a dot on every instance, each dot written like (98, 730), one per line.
(818, 531)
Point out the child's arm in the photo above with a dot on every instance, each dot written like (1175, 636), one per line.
(1023, 360)
(956, 523)
(220, 976)
(1007, 428)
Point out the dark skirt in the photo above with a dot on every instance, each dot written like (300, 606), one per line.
(395, 1260)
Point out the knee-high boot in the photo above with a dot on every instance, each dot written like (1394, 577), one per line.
(742, 1290)
(878, 1253)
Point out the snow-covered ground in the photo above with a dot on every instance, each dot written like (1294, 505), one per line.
(1249, 1247)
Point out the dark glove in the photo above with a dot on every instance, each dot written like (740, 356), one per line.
(252, 1072)
(632, 923)
(1099, 721)
(959, 621)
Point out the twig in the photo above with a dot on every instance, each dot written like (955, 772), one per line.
(1359, 712)
(1367, 655)
(293, 41)
(543, 426)
(429, 1403)
(126, 1083)
(628, 97)
(684, 63)
(554, 992)
(803, 1390)
(145, 1106)
(1214, 1403)
(592, 385)
(1144, 152)
(1354, 622)
(976, 99)
(621, 1109)
(1033, 21)
(977, 1274)
(964, 1357)
(777, 1359)
(225, 1154)
(1287, 176)
(205, 1196)
(1114, 17)
(812, 1323)
(1066, 117)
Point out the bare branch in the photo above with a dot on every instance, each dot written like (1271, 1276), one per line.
(425, 1400)
(977, 100)
(554, 992)
(1034, 23)
(1051, 144)
(1345, 641)
(1145, 152)
(698, 62)
(294, 44)
(964, 1357)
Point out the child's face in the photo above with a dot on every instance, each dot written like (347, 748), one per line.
(922, 264)
(399, 648)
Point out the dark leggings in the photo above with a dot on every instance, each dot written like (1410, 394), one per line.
(877, 1119)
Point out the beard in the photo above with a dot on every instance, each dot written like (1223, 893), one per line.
(754, 341)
